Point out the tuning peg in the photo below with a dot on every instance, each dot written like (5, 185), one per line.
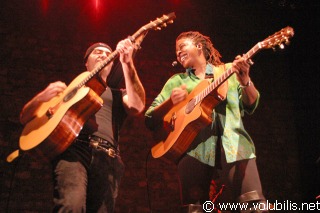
(281, 46)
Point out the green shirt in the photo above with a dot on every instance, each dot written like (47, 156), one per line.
(226, 117)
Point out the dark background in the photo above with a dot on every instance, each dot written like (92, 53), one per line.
(44, 41)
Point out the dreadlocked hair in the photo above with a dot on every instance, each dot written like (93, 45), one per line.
(212, 55)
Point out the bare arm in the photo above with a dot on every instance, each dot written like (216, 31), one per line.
(156, 114)
(242, 68)
(249, 93)
(29, 110)
(178, 94)
(135, 99)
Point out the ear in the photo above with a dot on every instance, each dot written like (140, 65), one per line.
(199, 46)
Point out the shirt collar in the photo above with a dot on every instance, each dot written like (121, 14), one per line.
(209, 70)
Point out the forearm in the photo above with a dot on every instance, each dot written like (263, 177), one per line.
(160, 111)
(135, 91)
(29, 110)
(155, 116)
(249, 94)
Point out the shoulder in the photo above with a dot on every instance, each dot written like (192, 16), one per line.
(181, 75)
(228, 65)
(176, 79)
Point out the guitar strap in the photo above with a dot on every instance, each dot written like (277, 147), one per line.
(217, 72)
(118, 114)
(222, 90)
(116, 75)
(219, 144)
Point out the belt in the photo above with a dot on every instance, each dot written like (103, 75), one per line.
(102, 144)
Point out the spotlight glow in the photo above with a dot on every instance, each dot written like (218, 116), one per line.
(45, 6)
(97, 3)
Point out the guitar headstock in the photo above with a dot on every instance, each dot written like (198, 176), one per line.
(157, 24)
(161, 22)
(278, 39)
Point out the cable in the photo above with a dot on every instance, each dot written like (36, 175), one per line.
(12, 180)
(147, 180)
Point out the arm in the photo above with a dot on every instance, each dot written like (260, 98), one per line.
(29, 110)
(249, 93)
(160, 107)
(134, 100)
(178, 94)
(242, 69)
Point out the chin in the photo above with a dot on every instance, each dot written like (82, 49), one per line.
(186, 66)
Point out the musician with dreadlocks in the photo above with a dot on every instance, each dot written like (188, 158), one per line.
(222, 150)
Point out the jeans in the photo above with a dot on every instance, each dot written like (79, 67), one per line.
(92, 189)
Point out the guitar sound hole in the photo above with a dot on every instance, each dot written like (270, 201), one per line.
(190, 106)
(70, 95)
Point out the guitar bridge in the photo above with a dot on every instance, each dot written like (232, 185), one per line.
(173, 121)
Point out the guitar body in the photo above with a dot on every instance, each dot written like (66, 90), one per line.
(58, 122)
(184, 121)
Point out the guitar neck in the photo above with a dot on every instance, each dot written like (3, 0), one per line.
(156, 25)
(227, 74)
(103, 64)
(255, 49)
(109, 59)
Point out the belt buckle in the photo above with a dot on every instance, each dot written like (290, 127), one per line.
(96, 144)
(111, 152)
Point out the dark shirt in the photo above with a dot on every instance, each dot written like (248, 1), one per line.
(106, 123)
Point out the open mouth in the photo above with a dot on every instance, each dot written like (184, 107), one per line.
(183, 57)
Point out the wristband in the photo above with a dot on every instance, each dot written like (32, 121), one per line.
(247, 84)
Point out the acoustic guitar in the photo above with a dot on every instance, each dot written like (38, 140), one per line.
(184, 121)
(59, 121)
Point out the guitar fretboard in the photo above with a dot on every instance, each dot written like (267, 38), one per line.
(104, 63)
(216, 83)
(156, 25)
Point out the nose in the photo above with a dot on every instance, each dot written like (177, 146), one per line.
(178, 52)
(104, 54)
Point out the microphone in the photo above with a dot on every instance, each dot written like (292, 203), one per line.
(174, 63)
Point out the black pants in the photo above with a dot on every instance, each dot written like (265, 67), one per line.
(92, 189)
(237, 178)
